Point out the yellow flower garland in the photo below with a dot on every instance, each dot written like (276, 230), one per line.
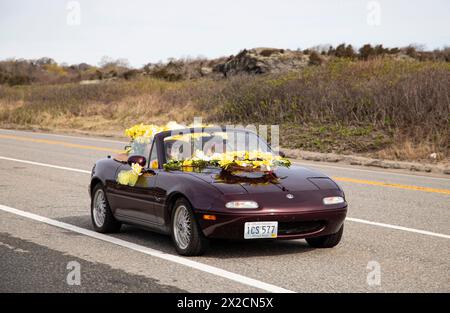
(235, 160)
(252, 160)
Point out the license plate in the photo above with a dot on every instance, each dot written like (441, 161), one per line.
(255, 230)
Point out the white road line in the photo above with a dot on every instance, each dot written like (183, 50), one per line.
(412, 230)
(357, 220)
(152, 252)
(46, 165)
(61, 136)
(348, 168)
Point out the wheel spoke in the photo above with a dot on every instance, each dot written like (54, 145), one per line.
(99, 209)
(182, 227)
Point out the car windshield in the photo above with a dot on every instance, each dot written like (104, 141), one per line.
(187, 145)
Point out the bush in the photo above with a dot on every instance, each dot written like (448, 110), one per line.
(342, 51)
(315, 59)
(366, 52)
(392, 96)
(344, 105)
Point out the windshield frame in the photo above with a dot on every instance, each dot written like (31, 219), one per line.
(159, 139)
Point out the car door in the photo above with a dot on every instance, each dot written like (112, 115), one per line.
(136, 203)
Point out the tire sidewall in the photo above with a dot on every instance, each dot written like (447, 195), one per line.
(110, 221)
(196, 235)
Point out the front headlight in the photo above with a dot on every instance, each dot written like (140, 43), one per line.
(242, 205)
(333, 200)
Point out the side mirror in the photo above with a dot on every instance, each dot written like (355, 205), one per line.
(282, 154)
(139, 159)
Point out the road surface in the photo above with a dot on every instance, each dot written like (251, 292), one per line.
(396, 238)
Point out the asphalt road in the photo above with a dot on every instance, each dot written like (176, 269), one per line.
(396, 238)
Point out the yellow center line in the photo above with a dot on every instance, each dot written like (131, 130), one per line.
(60, 143)
(400, 186)
(343, 179)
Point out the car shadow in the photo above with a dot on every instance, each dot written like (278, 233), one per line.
(225, 249)
(218, 248)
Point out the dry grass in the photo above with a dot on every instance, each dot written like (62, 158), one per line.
(383, 107)
(408, 150)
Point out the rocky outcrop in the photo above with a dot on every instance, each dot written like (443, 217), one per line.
(262, 60)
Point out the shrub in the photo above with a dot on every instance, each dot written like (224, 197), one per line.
(315, 59)
(366, 52)
(343, 51)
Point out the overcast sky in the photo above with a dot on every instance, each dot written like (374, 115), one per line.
(149, 31)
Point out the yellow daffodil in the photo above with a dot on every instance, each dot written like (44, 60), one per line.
(225, 162)
(154, 164)
(127, 178)
(133, 179)
(123, 178)
(243, 163)
(257, 164)
(137, 169)
(141, 130)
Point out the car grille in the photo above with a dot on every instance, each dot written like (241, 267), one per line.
(293, 228)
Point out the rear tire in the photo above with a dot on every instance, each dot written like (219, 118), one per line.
(186, 234)
(327, 241)
(101, 215)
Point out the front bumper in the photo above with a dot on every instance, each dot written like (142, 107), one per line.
(291, 225)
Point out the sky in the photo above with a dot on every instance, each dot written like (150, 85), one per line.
(151, 31)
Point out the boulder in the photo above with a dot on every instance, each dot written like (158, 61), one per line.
(263, 60)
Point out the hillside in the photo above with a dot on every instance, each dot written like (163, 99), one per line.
(389, 105)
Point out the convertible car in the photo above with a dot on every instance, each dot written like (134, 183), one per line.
(195, 205)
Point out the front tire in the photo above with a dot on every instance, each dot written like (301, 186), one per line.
(101, 215)
(186, 234)
(327, 241)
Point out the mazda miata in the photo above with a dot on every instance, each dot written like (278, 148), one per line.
(197, 204)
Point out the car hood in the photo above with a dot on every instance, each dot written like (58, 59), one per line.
(291, 179)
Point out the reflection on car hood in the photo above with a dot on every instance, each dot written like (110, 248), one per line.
(291, 179)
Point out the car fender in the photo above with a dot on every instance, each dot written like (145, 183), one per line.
(200, 194)
(103, 171)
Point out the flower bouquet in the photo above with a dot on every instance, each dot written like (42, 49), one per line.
(235, 161)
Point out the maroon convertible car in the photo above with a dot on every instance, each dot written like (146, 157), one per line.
(194, 206)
